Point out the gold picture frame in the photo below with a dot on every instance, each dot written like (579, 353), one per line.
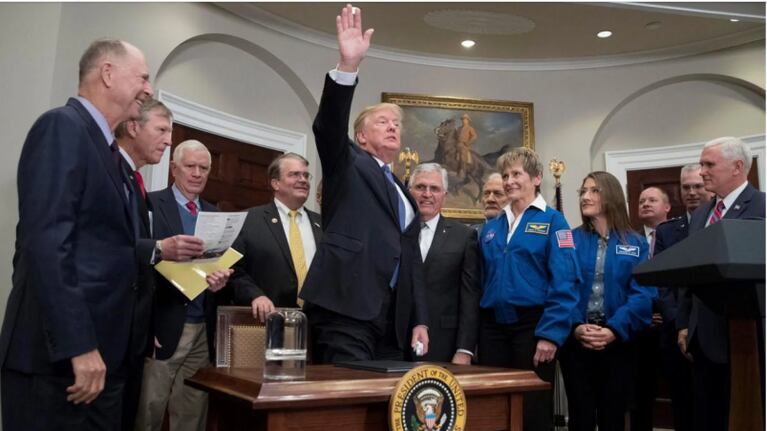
(434, 131)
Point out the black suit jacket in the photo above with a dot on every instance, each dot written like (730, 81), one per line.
(667, 234)
(452, 290)
(706, 323)
(75, 267)
(266, 267)
(169, 312)
(362, 241)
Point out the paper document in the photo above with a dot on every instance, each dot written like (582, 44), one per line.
(218, 230)
(189, 277)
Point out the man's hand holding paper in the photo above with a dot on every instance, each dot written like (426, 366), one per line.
(181, 248)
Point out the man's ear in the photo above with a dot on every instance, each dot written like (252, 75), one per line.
(106, 73)
(132, 128)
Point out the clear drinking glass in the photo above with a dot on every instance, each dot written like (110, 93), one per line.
(286, 330)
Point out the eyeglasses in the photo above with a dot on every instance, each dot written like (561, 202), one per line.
(295, 175)
(688, 187)
(422, 188)
(593, 190)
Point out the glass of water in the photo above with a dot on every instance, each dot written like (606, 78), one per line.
(286, 330)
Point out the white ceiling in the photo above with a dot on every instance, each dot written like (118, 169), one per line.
(523, 35)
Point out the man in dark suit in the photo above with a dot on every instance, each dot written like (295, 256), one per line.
(703, 327)
(365, 286)
(68, 330)
(182, 329)
(281, 236)
(677, 368)
(451, 271)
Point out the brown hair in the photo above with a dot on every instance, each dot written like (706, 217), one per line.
(143, 116)
(613, 204)
(273, 171)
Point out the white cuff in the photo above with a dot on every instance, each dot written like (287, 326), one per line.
(343, 78)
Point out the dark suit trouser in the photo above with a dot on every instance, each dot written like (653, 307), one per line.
(131, 394)
(596, 384)
(513, 346)
(39, 403)
(711, 399)
(678, 372)
(338, 338)
(647, 370)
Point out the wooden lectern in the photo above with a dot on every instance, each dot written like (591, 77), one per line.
(335, 398)
(724, 266)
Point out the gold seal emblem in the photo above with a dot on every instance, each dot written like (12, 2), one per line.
(427, 398)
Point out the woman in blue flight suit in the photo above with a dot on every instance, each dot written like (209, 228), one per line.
(529, 275)
(612, 308)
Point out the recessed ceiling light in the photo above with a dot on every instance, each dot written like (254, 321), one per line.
(604, 34)
(734, 20)
(468, 43)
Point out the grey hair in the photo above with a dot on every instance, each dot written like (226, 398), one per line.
(97, 51)
(428, 167)
(692, 167)
(189, 145)
(733, 149)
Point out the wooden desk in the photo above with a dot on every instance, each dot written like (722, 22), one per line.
(334, 398)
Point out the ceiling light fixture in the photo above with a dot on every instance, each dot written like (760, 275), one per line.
(734, 20)
(604, 34)
(468, 43)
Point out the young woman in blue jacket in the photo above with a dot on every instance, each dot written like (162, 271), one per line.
(612, 308)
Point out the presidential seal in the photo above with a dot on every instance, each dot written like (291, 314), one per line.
(427, 398)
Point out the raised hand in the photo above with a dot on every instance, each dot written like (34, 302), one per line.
(352, 42)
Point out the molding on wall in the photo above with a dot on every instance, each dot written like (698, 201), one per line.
(220, 123)
(619, 163)
(254, 14)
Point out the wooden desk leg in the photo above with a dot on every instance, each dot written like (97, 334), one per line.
(515, 411)
(745, 380)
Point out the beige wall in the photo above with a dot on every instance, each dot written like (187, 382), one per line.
(263, 77)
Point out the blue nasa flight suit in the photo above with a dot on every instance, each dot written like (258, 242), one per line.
(597, 382)
(528, 294)
(535, 268)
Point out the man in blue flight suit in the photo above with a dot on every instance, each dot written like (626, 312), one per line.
(530, 270)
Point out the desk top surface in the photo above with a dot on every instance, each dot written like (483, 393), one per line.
(327, 384)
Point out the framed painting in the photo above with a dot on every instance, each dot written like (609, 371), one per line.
(466, 137)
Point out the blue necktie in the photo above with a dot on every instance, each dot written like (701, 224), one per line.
(401, 216)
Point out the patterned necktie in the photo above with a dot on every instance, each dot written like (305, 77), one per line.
(140, 182)
(297, 252)
(192, 208)
(717, 214)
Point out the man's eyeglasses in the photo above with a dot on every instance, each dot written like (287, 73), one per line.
(298, 175)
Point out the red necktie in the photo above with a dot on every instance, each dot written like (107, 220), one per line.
(192, 208)
(140, 182)
(717, 214)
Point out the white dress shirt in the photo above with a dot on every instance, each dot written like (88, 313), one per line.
(426, 236)
(304, 227)
(728, 201)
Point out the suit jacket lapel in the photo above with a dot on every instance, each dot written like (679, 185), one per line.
(740, 204)
(441, 232)
(169, 210)
(374, 176)
(316, 226)
(271, 213)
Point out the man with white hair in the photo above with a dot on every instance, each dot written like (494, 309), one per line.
(677, 368)
(68, 327)
(703, 327)
(451, 271)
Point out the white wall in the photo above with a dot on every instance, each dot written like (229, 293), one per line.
(277, 79)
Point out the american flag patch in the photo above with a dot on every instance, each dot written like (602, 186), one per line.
(565, 238)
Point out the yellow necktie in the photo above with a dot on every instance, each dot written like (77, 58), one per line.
(297, 252)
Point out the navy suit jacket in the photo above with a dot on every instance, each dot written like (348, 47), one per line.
(362, 241)
(263, 244)
(75, 266)
(667, 234)
(169, 313)
(708, 326)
